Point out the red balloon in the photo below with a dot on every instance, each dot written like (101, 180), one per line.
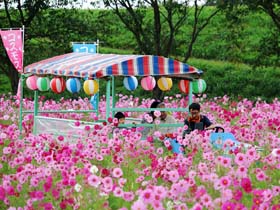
(58, 85)
(184, 86)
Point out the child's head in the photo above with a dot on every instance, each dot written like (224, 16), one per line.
(159, 104)
(120, 116)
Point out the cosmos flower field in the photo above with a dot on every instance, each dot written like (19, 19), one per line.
(104, 171)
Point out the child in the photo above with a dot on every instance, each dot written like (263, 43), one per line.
(121, 117)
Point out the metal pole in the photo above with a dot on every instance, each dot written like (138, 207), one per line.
(190, 93)
(108, 94)
(97, 99)
(21, 103)
(35, 110)
(113, 95)
(21, 85)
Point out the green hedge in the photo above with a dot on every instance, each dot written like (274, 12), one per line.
(235, 80)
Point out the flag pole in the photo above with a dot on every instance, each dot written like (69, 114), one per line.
(21, 85)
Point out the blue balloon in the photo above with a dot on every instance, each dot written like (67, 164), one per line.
(73, 85)
(93, 101)
(130, 83)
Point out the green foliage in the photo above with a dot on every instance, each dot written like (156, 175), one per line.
(5, 86)
(239, 79)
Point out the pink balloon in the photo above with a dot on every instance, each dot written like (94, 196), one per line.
(148, 83)
(31, 82)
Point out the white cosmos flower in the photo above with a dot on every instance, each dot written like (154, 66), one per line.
(77, 187)
(93, 169)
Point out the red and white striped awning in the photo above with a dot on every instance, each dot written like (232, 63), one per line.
(101, 65)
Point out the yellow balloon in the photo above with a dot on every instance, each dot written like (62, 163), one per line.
(91, 87)
(165, 83)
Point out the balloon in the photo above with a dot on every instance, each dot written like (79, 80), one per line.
(148, 83)
(130, 83)
(43, 83)
(91, 87)
(31, 82)
(58, 85)
(184, 86)
(93, 101)
(165, 83)
(199, 86)
(73, 85)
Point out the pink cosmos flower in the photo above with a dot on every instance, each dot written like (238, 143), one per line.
(241, 171)
(55, 193)
(118, 192)
(225, 182)
(228, 206)
(47, 186)
(157, 113)
(63, 204)
(225, 162)
(267, 195)
(140, 179)
(139, 205)
(99, 157)
(261, 176)
(7, 150)
(157, 121)
(48, 206)
(237, 195)
(60, 138)
(146, 196)
(240, 159)
(246, 185)
(122, 182)
(276, 190)
(10, 190)
(2, 193)
(160, 150)
(128, 196)
(197, 206)
(205, 199)
(94, 180)
(107, 182)
(117, 172)
(173, 176)
(157, 205)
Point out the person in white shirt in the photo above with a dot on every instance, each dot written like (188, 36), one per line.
(164, 118)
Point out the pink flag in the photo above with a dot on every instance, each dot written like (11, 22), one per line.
(12, 41)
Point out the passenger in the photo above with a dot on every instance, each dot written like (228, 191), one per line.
(149, 118)
(120, 116)
(196, 120)
(164, 118)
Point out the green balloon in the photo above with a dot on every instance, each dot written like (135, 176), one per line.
(43, 83)
(199, 86)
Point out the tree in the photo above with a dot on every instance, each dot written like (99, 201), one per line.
(30, 14)
(269, 50)
(156, 35)
(16, 17)
(270, 7)
(199, 23)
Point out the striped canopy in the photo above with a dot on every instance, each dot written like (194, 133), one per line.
(102, 65)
